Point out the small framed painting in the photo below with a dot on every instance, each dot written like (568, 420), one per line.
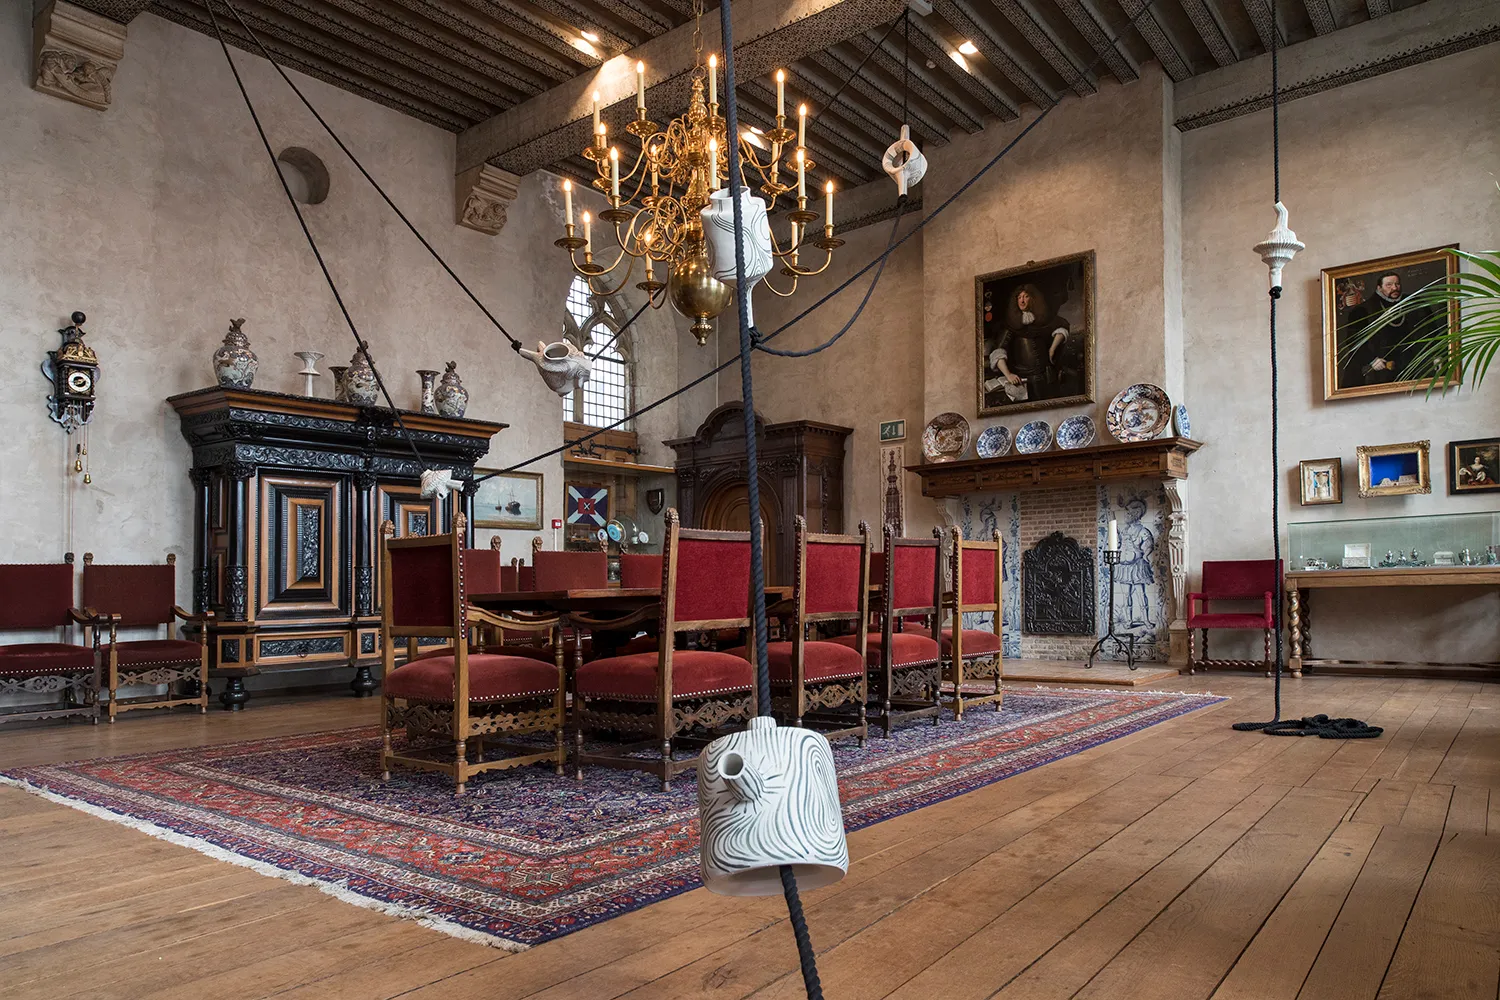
(509, 500)
(1388, 470)
(892, 430)
(1322, 481)
(1474, 466)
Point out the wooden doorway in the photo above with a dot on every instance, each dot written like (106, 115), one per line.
(729, 510)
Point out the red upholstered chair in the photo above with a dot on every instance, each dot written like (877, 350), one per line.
(639, 571)
(904, 662)
(571, 570)
(975, 568)
(1234, 580)
(822, 685)
(456, 702)
(145, 596)
(37, 596)
(673, 696)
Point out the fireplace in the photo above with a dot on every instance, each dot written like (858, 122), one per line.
(1057, 587)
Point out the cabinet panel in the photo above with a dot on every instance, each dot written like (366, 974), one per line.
(303, 537)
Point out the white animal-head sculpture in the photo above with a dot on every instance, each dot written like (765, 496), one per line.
(562, 365)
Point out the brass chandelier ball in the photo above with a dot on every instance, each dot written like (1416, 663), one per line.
(696, 293)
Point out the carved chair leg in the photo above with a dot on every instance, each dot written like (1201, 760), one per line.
(578, 752)
(461, 762)
(1192, 664)
(1270, 666)
(666, 764)
(561, 747)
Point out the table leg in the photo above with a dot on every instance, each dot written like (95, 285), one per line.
(1296, 628)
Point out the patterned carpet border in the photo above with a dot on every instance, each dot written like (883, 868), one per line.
(528, 856)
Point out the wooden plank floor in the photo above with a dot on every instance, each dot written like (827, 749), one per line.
(1185, 861)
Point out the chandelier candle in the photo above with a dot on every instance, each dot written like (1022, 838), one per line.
(568, 202)
(713, 82)
(640, 88)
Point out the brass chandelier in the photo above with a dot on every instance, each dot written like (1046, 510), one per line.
(654, 206)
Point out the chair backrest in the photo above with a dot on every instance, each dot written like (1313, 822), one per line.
(483, 572)
(910, 571)
(832, 577)
(35, 595)
(1240, 579)
(570, 570)
(139, 594)
(707, 578)
(976, 569)
(640, 571)
(424, 586)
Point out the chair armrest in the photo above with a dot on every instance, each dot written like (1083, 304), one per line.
(650, 613)
(187, 616)
(1193, 600)
(91, 616)
(1270, 607)
(480, 616)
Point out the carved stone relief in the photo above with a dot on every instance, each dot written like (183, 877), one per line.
(482, 196)
(75, 54)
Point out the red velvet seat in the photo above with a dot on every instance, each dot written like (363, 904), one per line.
(975, 641)
(1233, 580)
(821, 661)
(430, 679)
(32, 659)
(696, 673)
(154, 651)
(908, 649)
(906, 678)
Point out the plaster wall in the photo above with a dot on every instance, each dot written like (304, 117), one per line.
(161, 219)
(1397, 163)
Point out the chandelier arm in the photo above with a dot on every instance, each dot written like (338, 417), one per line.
(629, 270)
(780, 295)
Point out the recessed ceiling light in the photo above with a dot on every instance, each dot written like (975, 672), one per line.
(593, 37)
(967, 48)
(959, 58)
(753, 137)
(585, 46)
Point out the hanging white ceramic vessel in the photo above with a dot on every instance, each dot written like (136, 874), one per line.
(718, 233)
(904, 162)
(561, 364)
(769, 797)
(439, 483)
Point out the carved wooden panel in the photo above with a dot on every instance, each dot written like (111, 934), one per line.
(303, 536)
(405, 507)
(301, 648)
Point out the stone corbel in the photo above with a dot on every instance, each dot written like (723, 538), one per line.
(75, 53)
(1177, 546)
(481, 197)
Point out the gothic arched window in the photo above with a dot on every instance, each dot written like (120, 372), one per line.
(590, 321)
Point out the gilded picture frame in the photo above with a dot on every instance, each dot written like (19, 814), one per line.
(1322, 481)
(509, 500)
(1352, 295)
(1474, 466)
(1015, 366)
(1388, 470)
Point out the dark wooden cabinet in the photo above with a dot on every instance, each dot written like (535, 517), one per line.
(800, 467)
(289, 495)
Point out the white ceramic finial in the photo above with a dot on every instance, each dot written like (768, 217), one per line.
(439, 483)
(1280, 247)
(903, 162)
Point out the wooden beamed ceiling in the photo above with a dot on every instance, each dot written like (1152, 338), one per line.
(455, 63)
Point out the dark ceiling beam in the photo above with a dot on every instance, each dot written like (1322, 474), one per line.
(190, 15)
(1088, 23)
(649, 18)
(1378, 8)
(1210, 28)
(926, 40)
(535, 41)
(841, 64)
(889, 59)
(1260, 14)
(961, 17)
(610, 39)
(1162, 47)
(1024, 19)
(833, 135)
(400, 44)
(849, 118)
(1320, 15)
(759, 101)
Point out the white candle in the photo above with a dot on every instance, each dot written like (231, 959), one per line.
(614, 172)
(587, 235)
(640, 86)
(713, 164)
(780, 93)
(597, 129)
(802, 125)
(828, 212)
(568, 200)
(713, 79)
(646, 238)
(801, 174)
(1113, 545)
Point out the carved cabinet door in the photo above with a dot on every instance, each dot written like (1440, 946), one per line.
(304, 546)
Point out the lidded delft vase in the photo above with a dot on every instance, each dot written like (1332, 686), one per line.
(451, 397)
(234, 362)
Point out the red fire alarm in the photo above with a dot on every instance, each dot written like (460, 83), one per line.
(556, 523)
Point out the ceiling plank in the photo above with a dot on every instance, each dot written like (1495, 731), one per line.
(936, 93)
(1025, 20)
(760, 103)
(1088, 22)
(1320, 14)
(848, 117)
(841, 64)
(929, 43)
(610, 38)
(1260, 14)
(1378, 8)
(829, 128)
(470, 18)
(961, 17)
(1210, 28)
(1156, 37)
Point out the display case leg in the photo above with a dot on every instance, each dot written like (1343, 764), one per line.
(234, 696)
(364, 683)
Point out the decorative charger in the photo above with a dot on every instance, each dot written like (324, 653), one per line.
(1034, 437)
(992, 442)
(1139, 412)
(1076, 432)
(1181, 426)
(946, 438)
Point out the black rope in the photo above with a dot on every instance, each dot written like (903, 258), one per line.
(364, 347)
(514, 343)
(906, 65)
(1324, 727)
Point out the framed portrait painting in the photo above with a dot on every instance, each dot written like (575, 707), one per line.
(1034, 335)
(1322, 481)
(1353, 295)
(1474, 466)
(509, 500)
(1388, 470)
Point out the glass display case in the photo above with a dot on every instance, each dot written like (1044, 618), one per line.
(1414, 541)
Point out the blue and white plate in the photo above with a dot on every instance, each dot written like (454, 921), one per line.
(1138, 413)
(1076, 432)
(1180, 424)
(1034, 437)
(993, 442)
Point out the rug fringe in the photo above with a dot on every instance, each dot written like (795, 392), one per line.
(334, 889)
(1131, 691)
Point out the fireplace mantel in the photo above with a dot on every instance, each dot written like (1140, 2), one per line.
(1162, 458)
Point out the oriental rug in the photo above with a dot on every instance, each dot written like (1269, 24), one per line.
(527, 856)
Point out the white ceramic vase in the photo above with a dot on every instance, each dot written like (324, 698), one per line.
(769, 797)
(904, 162)
(562, 365)
(718, 233)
